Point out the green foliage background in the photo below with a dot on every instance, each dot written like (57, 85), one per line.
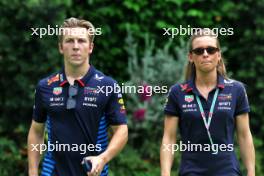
(24, 59)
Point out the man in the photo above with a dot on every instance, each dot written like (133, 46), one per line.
(76, 114)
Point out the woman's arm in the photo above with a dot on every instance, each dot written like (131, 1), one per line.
(246, 143)
(168, 141)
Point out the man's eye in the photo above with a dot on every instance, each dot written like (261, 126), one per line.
(82, 41)
(69, 41)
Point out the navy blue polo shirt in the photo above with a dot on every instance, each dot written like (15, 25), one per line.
(79, 132)
(231, 101)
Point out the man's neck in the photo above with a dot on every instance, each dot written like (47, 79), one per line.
(206, 80)
(73, 73)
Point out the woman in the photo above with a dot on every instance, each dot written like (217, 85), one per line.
(208, 108)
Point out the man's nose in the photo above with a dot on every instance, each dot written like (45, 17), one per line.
(75, 44)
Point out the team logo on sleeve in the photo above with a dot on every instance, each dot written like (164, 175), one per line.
(121, 103)
(57, 90)
(53, 79)
(123, 109)
(189, 98)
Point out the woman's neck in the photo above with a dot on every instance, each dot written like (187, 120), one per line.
(206, 80)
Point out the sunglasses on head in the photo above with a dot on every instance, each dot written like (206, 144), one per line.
(209, 50)
(71, 101)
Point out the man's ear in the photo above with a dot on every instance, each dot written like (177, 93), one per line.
(91, 47)
(60, 48)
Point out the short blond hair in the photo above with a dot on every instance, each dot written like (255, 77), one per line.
(75, 22)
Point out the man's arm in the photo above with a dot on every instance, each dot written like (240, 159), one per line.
(246, 145)
(169, 138)
(35, 138)
(118, 141)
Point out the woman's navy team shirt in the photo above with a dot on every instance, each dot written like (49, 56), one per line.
(231, 101)
(87, 124)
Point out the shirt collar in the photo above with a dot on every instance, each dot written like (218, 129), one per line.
(81, 82)
(220, 81)
(190, 84)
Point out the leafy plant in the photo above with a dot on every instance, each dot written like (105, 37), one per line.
(157, 67)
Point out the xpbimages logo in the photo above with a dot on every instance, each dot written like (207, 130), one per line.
(49, 30)
(214, 148)
(132, 89)
(181, 30)
(58, 147)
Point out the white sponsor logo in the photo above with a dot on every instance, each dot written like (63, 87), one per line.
(189, 107)
(225, 103)
(56, 104)
(56, 99)
(90, 99)
(98, 78)
(90, 105)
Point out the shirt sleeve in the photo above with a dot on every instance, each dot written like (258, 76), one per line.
(39, 111)
(171, 106)
(242, 105)
(115, 109)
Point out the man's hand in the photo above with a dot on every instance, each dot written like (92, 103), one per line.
(97, 165)
(116, 144)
